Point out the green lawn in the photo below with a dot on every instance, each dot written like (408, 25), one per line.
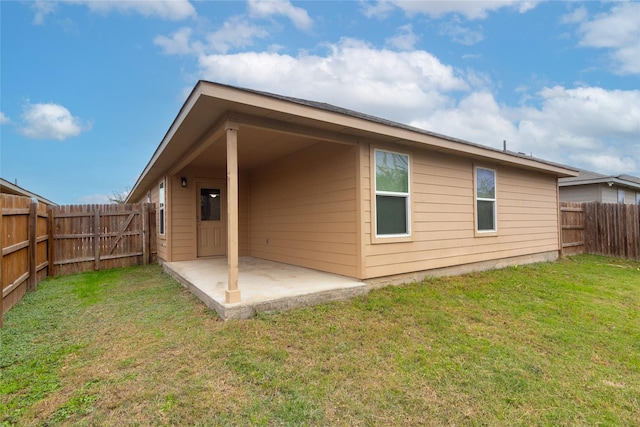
(550, 344)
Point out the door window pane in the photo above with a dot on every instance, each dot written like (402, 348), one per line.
(209, 204)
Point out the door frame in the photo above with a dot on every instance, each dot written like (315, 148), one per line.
(222, 185)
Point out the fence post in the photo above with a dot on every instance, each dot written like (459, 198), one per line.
(33, 245)
(144, 220)
(51, 242)
(96, 240)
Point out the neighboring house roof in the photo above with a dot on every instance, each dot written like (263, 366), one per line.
(586, 177)
(8, 188)
(209, 103)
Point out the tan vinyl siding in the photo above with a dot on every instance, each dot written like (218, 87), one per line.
(443, 217)
(580, 193)
(608, 194)
(303, 209)
(183, 224)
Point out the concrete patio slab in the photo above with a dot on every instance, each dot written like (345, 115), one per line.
(264, 285)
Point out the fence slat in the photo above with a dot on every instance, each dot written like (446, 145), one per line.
(33, 245)
(96, 240)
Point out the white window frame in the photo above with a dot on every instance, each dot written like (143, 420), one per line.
(493, 231)
(621, 196)
(162, 214)
(406, 196)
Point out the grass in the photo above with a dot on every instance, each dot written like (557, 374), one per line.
(544, 345)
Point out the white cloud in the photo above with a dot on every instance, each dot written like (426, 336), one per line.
(618, 31)
(42, 8)
(380, 9)
(298, 16)
(93, 199)
(404, 39)
(476, 118)
(461, 34)
(586, 127)
(577, 16)
(178, 44)
(395, 85)
(237, 32)
(172, 10)
(436, 9)
(581, 125)
(4, 119)
(50, 121)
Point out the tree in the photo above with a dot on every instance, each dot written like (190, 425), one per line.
(119, 197)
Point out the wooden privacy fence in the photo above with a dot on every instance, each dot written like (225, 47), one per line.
(23, 240)
(39, 241)
(97, 237)
(601, 228)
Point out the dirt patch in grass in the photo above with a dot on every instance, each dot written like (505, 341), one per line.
(548, 344)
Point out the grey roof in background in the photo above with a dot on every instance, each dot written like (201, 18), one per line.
(7, 187)
(586, 177)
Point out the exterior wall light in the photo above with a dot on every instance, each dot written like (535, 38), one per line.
(183, 181)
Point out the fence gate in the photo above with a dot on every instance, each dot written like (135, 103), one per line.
(96, 237)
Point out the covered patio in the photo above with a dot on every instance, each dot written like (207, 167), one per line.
(265, 285)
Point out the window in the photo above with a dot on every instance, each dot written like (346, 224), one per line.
(638, 198)
(161, 207)
(485, 200)
(620, 195)
(392, 194)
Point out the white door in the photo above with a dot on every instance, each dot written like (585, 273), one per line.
(211, 224)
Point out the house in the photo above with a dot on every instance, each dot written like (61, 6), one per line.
(595, 187)
(7, 187)
(247, 173)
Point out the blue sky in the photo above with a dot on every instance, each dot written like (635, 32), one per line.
(89, 88)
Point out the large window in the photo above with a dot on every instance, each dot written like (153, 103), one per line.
(485, 200)
(620, 195)
(392, 194)
(161, 206)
